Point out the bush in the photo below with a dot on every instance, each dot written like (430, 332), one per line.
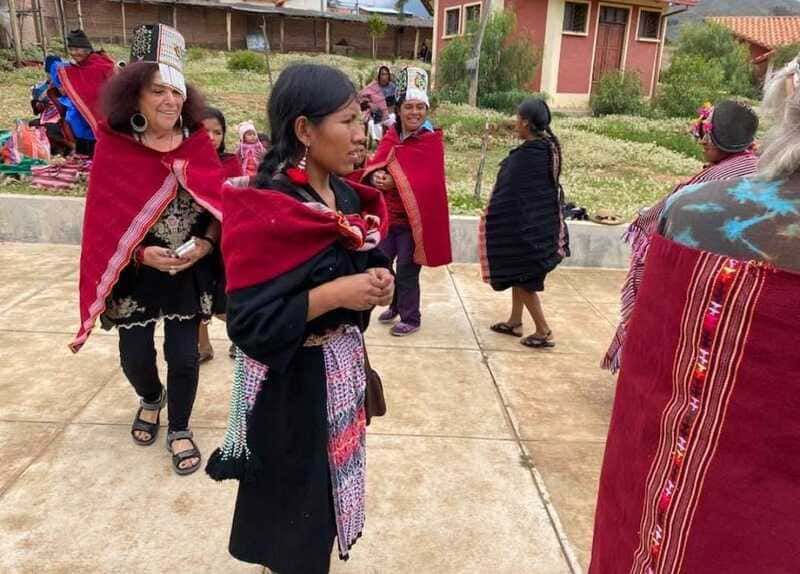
(718, 47)
(784, 55)
(507, 62)
(688, 84)
(670, 134)
(454, 95)
(618, 93)
(195, 54)
(246, 60)
(508, 102)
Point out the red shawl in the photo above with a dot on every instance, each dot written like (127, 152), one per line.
(703, 454)
(83, 83)
(646, 224)
(268, 233)
(130, 185)
(231, 165)
(417, 166)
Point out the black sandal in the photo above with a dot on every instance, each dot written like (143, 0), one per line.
(141, 425)
(507, 329)
(535, 342)
(179, 457)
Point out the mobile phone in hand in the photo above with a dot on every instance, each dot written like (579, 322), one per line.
(185, 248)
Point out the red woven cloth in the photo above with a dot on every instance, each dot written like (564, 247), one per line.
(268, 233)
(703, 454)
(417, 166)
(646, 224)
(83, 83)
(231, 165)
(130, 185)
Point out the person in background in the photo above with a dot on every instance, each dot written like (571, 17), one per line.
(424, 52)
(726, 133)
(296, 312)
(408, 167)
(378, 100)
(81, 82)
(523, 236)
(44, 103)
(216, 126)
(701, 465)
(154, 187)
(361, 157)
(250, 150)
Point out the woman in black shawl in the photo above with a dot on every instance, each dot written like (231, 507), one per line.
(523, 235)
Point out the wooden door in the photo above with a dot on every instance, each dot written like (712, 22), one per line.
(611, 30)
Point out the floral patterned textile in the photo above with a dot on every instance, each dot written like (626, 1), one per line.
(144, 295)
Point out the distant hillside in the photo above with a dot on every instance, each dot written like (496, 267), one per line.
(733, 8)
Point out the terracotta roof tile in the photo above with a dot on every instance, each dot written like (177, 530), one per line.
(767, 31)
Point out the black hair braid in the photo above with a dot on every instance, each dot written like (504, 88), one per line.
(556, 143)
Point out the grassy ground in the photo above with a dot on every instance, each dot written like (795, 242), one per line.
(616, 163)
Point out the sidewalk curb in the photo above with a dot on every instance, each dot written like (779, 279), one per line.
(52, 219)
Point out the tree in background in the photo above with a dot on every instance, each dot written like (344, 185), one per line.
(507, 62)
(377, 29)
(719, 48)
(784, 55)
(709, 64)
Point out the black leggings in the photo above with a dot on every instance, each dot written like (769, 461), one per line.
(137, 355)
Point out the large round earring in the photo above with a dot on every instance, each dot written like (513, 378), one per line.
(139, 122)
(179, 125)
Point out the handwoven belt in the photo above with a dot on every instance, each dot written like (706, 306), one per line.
(318, 340)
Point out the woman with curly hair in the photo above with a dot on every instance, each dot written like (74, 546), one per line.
(151, 221)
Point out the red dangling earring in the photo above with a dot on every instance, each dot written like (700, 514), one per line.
(298, 175)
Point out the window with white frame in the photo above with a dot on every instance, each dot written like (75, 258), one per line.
(452, 21)
(472, 15)
(576, 17)
(649, 25)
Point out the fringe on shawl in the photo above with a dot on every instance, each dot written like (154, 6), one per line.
(344, 357)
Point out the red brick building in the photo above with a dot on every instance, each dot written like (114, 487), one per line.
(294, 26)
(762, 35)
(579, 40)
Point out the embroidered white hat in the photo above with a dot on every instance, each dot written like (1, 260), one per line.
(162, 45)
(412, 84)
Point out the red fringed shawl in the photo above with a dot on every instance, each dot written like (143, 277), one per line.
(703, 455)
(130, 185)
(417, 166)
(268, 233)
(83, 83)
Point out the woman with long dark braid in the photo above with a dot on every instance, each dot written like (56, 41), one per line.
(523, 235)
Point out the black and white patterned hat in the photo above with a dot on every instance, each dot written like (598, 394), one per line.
(162, 45)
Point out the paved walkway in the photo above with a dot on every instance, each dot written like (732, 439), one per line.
(487, 461)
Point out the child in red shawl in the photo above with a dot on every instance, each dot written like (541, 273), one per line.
(408, 167)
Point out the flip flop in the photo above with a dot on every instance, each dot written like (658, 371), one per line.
(507, 329)
(534, 342)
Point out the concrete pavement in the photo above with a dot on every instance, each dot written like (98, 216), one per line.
(487, 460)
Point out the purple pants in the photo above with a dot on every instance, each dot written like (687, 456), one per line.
(399, 244)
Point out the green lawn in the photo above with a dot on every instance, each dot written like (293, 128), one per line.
(616, 163)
